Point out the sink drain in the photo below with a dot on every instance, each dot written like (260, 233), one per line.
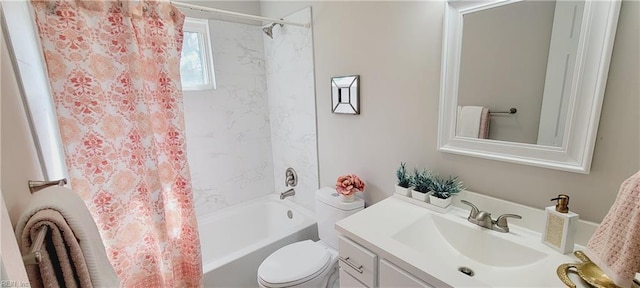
(466, 271)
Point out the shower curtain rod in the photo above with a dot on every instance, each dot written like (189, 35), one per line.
(237, 14)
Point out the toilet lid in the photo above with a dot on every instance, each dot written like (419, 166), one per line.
(294, 264)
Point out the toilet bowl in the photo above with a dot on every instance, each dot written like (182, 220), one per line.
(308, 263)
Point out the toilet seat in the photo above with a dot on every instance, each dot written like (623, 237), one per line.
(294, 264)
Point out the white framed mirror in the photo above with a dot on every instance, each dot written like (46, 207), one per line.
(551, 65)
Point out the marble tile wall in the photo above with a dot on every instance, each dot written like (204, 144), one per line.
(242, 136)
(292, 106)
(228, 130)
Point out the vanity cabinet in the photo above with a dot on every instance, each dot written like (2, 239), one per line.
(361, 267)
(390, 275)
(411, 246)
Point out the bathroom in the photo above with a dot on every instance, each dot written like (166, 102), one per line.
(396, 48)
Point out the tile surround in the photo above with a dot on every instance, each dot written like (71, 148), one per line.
(259, 120)
(292, 106)
(228, 131)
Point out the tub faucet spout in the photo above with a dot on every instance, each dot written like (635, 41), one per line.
(287, 193)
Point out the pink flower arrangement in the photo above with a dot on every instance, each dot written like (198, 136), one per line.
(349, 184)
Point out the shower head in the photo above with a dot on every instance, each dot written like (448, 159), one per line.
(269, 29)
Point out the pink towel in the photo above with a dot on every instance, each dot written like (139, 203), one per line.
(73, 250)
(62, 254)
(615, 246)
(472, 121)
(484, 123)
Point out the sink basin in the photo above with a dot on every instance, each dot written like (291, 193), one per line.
(462, 241)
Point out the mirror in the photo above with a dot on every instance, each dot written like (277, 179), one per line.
(523, 80)
(345, 96)
(529, 47)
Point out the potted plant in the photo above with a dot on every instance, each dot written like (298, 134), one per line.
(422, 182)
(404, 181)
(443, 189)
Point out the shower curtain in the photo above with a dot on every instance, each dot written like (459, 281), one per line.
(113, 67)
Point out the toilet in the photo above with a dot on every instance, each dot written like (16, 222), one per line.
(308, 263)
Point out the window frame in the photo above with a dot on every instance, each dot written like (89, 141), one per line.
(201, 27)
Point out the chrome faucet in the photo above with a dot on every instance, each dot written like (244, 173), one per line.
(287, 193)
(483, 218)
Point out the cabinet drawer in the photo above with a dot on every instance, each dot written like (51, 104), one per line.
(348, 281)
(393, 276)
(358, 261)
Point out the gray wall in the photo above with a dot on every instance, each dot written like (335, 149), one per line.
(395, 47)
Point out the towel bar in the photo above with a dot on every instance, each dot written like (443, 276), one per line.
(34, 257)
(511, 111)
(35, 186)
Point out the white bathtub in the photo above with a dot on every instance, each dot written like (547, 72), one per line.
(235, 240)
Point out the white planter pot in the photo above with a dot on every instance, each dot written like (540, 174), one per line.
(403, 191)
(424, 197)
(444, 203)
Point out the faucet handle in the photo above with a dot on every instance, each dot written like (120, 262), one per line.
(501, 222)
(474, 210)
(290, 178)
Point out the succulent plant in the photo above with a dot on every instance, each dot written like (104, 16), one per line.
(444, 188)
(422, 180)
(404, 179)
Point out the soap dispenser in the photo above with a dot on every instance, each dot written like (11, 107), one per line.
(560, 226)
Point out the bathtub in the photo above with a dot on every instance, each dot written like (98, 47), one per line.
(237, 239)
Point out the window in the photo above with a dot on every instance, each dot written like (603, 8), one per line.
(196, 65)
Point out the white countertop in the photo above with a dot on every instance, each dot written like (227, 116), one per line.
(375, 226)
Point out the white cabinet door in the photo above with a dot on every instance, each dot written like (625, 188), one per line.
(348, 281)
(392, 276)
(357, 261)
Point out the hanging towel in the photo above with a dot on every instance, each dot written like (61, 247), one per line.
(473, 121)
(615, 246)
(484, 123)
(72, 254)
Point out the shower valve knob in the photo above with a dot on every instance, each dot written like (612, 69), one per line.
(291, 178)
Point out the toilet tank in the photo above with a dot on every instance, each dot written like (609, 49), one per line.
(329, 210)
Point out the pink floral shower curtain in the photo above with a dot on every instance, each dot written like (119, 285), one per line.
(114, 73)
